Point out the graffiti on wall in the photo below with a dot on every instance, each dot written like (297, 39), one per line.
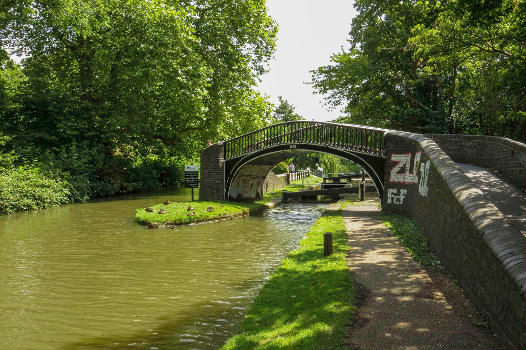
(246, 188)
(402, 172)
(406, 172)
(248, 183)
(396, 196)
(424, 174)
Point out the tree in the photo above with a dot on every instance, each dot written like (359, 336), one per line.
(284, 112)
(135, 79)
(480, 46)
(430, 66)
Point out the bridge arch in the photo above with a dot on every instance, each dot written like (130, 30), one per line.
(222, 162)
(263, 160)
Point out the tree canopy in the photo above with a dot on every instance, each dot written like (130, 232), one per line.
(127, 81)
(432, 66)
(285, 112)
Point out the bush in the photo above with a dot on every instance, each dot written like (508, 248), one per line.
(281, 168)
(29, 188)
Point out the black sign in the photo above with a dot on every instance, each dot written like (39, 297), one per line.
(191, 176)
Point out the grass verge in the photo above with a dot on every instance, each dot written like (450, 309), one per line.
(177, 213)
(308, 302)
(411, 238)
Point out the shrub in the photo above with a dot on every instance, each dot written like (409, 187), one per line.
(281, 168)
(29, 188)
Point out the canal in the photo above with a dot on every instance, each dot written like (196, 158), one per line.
(86, 276)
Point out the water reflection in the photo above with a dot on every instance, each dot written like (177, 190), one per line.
(87, 277)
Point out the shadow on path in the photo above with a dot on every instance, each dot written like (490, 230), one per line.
(401, 307)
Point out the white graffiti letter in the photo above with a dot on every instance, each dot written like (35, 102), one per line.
(413, 178)
(403, 193)
(393, 197)
(424, 174)
(391, 194)
(401, 172)
(402, 161)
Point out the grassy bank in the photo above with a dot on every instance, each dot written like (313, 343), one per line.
(412, 238)
(308, 301)
(180, 213)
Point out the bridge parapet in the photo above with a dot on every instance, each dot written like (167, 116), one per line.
(471, 236)
(357, 138)
(505, 156)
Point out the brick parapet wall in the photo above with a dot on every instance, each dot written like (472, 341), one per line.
(505, 156)
(471, 236)
(212, 186)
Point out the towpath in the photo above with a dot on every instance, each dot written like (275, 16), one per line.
(403, 306)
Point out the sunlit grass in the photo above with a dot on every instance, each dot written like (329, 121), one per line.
(178, 213)
(308, 301)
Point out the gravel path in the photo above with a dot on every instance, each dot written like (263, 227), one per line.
(401, 306)
(505, 196)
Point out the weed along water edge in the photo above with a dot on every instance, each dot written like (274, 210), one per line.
(87, 276)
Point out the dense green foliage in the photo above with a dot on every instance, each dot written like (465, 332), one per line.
(307, 302)
(412, 238)
(118, 95)
(28, 188)
(433, 66)
(281, 168)
(330, 164)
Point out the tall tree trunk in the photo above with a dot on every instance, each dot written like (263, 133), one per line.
(451, 97)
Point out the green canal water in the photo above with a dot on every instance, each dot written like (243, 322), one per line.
(86, 276)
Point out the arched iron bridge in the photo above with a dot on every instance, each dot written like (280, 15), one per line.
(362, 145)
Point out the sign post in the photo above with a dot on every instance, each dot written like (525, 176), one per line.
(191, 177)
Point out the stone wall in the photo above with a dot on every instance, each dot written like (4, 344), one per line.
(502, 155)
(212, 171)
(471, 236)
(274, 182)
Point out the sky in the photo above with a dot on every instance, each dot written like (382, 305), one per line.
(310, 32)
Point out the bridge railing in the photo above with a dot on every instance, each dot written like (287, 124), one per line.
(357, 138)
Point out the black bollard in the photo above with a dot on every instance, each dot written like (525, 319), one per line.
(361, 191)
(327, 244)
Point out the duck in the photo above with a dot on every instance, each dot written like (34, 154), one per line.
(210, 209)
(222, 205)
(152, 225)
(190, 208)
(161, 211)
(149, 209)
(167, 202)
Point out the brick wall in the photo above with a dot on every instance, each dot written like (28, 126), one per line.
(471, 236)
(212, 171)
(502, 155)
